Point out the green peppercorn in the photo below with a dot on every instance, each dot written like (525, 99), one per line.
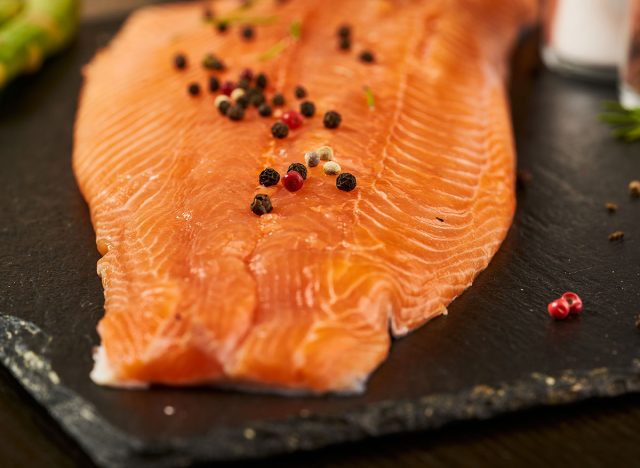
(307, 108)
(278, 100)
(280, 130)
(325, 153)
(265, 110)
(332, 119)
(331, 168)
(300, 92)
(299, 168)
(211, 62)
(222, 26)
(236, 112)
(261, 204)
(269, 177)
(346, 182)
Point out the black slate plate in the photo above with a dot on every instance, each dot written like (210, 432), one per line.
(497, 351)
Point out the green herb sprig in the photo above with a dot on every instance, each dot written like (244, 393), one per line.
(370, 98)
(625, 123)
(295, 33)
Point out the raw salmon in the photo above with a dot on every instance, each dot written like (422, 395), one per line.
(200, 290)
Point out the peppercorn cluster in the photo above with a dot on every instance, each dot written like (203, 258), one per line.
(296, 175)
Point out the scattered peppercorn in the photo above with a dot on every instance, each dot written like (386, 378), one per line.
(366, 56)
(293, 119)
(346, 182)
(247, 32)
(344, 30)
(293, 181)
(325, 153)
(222, 26)
(440, 219)
(246, 74)
(194, 89)
(279, 130)
(311, 159)
(269, 177)
(224, 106)
(264, 110)
(261, 204)
(574, 301)
(331, 168)
(243, 83)
(227, 87)
(180, 61)
(237, 93)
(299, 168)
(214, 84)
(634, 188)
(616, 235)
(344, 43)
(236, 112)
(307, 108)
(611, 207)
(261, 80)
(558, 309)
(300, 92)
(207, 14)
(332, 119)
(256, 98)
(220, 99)
(277, 100)
(211, 62)
(243, 101)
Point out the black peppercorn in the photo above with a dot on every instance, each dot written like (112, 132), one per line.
(345, 43)
(247, 32)
(346, 182)
(223, 107)
(269, 177)
(261, 80)
(243, 101)
(256, 99)
(222, 26)
(277, 100)
(214, 84)
(344, 31)
(299, 168)
(235, 112)
(194, 89)
(211, 62)
(366, 56)
(332, 119)
(243, 83)
(180, 61)
(264, 110)
(279, 130)
(261, 204)
(307, 108)
(300, 92)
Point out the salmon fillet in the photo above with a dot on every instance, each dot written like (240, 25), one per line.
(198, 289)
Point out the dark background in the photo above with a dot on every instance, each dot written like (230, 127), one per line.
(567, 152)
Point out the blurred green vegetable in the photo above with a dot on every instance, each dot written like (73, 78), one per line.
(31, 30)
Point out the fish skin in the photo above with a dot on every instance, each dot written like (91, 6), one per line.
(198, 289)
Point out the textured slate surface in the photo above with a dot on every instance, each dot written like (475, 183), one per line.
(496, 351)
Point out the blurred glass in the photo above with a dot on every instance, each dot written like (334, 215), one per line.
(630, 68)
(585, 38)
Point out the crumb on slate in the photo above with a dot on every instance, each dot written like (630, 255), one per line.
(634, 188)
(611, 207)
(523, 178)
(616, 235)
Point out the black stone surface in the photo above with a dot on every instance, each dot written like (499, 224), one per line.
(496, 352)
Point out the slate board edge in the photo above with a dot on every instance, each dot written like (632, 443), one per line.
(23, 349)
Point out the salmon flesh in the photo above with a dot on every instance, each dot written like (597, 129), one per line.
(199, 289)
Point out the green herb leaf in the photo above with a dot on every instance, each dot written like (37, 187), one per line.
(625, 123)
(368, 94)
(295, 29)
